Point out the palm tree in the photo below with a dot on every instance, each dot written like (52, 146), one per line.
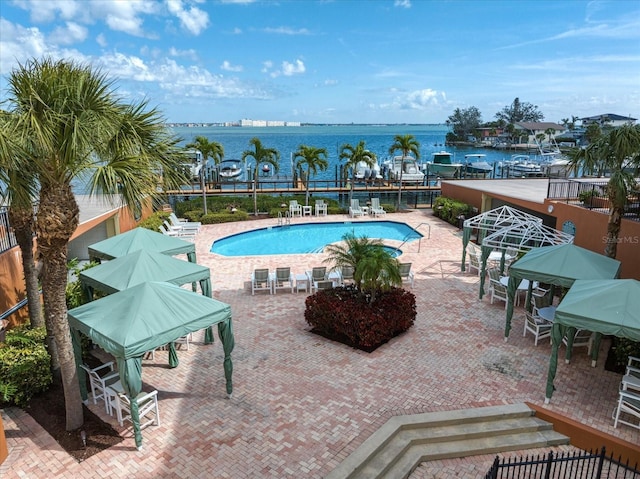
(261, 155)
(208, 149)
(618, 152)
(75, 128)
(315, 159)
(355, 155)
(374, 269)
(405, 144)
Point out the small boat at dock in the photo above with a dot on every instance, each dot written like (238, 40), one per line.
(230, 169)
(442, 166)
(405, 168)
(476, 165)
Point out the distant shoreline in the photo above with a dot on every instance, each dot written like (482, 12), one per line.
(228, 125)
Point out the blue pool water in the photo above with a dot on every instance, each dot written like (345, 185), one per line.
(308, 238)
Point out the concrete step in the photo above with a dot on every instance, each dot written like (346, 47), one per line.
(403, 442)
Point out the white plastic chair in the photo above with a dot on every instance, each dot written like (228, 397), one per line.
(261, 281)
(295, 209)
(405, 273)
(148, 411)
(475, 262)
(498, 291)
(99, 379)
(317, 274)
(376, 209)
(185, 225)
(539, 327)
(321, 208)
(282, 279)
(631, 378)
(628, 407)
(354, 209)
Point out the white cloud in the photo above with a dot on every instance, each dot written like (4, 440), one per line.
(295, 68)
(22, 43)
(287, 31)
(190, 53)
(402, 3)
(101, 40)
(227, 66)
(193, 19)
(69, 34)
(266, 66)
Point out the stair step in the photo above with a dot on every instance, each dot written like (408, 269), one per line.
(403, 442)
(405, 439)
(416, 454)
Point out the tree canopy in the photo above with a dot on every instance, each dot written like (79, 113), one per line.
(519, 111)
(464, 122)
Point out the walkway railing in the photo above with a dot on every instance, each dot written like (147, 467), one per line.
(7, 238)
(582, 465)
(592, 195)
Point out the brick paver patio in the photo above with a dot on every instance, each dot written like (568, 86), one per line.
(302, 404)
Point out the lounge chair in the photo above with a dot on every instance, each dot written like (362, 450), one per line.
(317, 274)
(185, 225)
(406, 274)
(261, 281)
(295, 209)
(354, 209)
(185, 235)
(376, 209)
(282, 279)
(346, 274)
(321, 208)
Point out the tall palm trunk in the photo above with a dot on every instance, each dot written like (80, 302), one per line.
(613, 227)
(23, 225)
(58, 218)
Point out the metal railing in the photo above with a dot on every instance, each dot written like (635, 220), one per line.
(592, 195)
(7, 238)
(576, 465)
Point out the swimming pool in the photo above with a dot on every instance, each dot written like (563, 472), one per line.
(308, 238)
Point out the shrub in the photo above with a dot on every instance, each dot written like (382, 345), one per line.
(154, 221)
(24, 365)
(226, 217)
(624, 348)
(449, 209)
(344, 314)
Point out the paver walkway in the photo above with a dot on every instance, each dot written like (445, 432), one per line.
(301, 403)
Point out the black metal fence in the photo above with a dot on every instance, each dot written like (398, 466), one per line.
(576, 465)
(592, 195)
(7, 238)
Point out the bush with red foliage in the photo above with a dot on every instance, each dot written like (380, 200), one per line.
(346, 313)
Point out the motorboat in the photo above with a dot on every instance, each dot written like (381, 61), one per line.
(405, 168)
(521, 166)
(230, 169)
(364, 172)
(442, 166)
(194, 164)
(475, 164)
(556, 165)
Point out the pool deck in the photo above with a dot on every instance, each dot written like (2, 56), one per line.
(302, 404)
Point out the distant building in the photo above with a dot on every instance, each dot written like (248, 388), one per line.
(263, 123)
(608, 119)
(535, 128)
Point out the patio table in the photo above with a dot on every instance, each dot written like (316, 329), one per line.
(547, 313)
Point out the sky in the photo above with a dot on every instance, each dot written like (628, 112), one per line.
(341, 61)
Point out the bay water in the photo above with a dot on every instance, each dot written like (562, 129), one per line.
(377, 138)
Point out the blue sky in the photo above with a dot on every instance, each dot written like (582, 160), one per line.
(342, 61)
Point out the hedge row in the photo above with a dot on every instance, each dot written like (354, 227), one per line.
(450, 210)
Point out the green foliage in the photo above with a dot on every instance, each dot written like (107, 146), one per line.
(449, 210)
(625, 348)
(226, 217)
(74, 294)
(24, 366)
(586, 195)
(344, 313)
(154, 221)
(464, 123)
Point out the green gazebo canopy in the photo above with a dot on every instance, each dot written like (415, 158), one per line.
(610, 307)
(141, 266)
(144, 317)
(141, 238)
(558, 265)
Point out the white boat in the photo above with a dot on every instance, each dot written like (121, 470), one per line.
(364, 172)
(442, 166)
(475, 164)
(230, 169)
(521, 166)
(194, 165)
(405, 167)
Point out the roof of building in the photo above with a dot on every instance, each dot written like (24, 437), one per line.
(608, 116)
(539, 125)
